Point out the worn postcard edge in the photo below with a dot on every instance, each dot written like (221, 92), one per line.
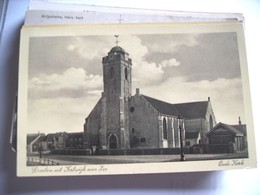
(112, 29)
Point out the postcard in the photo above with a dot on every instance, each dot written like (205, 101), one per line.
(104, 99)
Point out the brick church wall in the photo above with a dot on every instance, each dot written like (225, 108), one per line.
(92, 126)
(144, 124)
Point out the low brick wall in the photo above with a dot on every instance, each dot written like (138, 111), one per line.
(146, 151)
(71, 152)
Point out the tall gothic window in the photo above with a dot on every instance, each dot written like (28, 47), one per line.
(210, 122)
(164, 128)
(111, 72)
(126, 74)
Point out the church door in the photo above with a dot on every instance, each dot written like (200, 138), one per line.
(112, 142)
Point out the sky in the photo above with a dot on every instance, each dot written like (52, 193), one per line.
(65, 75)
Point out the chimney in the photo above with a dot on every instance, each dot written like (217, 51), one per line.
(137, 91)
(239, 120)
(208, 99)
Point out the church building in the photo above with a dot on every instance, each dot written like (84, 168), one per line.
(122, 121)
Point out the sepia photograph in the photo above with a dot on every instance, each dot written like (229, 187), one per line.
(128, 98)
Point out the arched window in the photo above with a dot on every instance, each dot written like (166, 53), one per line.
(210, 122)
(111, 72)
(164, 128)
(126, 73)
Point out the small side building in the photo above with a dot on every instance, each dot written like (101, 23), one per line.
(75, 140)
(34, 141)
(224, 138)
(55, 141)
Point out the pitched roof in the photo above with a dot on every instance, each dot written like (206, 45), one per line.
(241, 128)
(186, 110)
(31, 138)
(42, 138)
(50, 137)
(75, 134)
(193, 109)
(163, 107)
(34, 137)
(227, 127)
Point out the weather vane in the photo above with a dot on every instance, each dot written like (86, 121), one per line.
(117, 39)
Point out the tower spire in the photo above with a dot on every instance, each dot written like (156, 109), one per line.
(116, 36)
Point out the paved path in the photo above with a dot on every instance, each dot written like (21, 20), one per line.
(92, 159)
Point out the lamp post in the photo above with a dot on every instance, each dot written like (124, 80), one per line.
(40, 149)
(181, 141)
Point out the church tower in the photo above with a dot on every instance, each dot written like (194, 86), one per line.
(117, 78)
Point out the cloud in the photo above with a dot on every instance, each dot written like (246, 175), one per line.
(133, 45)
(226, 95)
(144, 72)
(72, 82)
(68, 82)
(89, 48)
(48, 115)
(85, 53)
(62, 100)
(169, 63)
(168, 43)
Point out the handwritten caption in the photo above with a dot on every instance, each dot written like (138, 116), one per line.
(61, 17)
(79, 169)
(228, 163)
